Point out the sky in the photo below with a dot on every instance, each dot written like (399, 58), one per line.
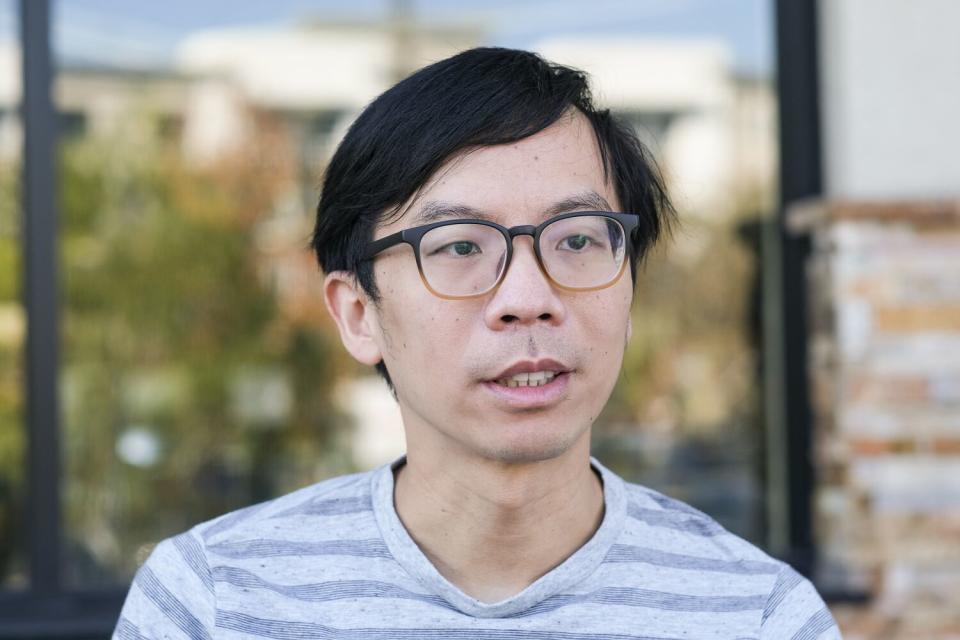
(146, 33)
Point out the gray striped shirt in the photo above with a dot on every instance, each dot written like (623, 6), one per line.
(333, 560)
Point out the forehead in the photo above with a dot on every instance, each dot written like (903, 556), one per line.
(519, 181)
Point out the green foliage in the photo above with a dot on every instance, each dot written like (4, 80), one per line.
(163, 308)
(9, 233)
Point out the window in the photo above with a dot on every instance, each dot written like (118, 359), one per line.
(198, 371)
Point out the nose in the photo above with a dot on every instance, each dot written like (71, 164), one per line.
(525, 295)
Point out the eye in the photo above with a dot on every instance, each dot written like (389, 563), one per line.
(575, 242)
(460, 249)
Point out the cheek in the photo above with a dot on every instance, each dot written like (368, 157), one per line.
(443, 337)
(425, 336)
(605, 320)
(401, 305)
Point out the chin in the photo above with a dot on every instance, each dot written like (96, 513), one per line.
(530, 449)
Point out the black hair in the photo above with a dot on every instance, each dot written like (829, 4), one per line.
(479, 97)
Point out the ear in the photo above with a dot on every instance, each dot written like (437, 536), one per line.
(355, 315)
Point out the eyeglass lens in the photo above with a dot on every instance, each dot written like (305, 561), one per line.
(579, 252)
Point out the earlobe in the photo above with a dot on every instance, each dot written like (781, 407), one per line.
(354, 314)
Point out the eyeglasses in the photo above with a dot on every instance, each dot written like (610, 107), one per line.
(458, 259)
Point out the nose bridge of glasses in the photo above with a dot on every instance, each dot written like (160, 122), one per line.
(522, 230)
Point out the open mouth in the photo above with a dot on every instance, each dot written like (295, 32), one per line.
(530, 384)
(535, 379)
(536, 390)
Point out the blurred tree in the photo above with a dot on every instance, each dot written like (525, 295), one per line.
(165, 314)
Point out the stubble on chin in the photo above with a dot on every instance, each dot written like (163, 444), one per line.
(528, 455)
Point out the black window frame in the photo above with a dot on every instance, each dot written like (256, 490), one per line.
(45, 609)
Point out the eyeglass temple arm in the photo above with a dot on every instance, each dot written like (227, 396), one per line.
(382, 244)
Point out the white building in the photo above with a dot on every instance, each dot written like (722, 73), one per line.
(713, 133)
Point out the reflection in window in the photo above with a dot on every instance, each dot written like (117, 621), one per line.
(188, 389)
(200, 372)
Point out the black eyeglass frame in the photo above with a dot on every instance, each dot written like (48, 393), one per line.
(412, 236)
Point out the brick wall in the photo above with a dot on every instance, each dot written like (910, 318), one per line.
(884, 292)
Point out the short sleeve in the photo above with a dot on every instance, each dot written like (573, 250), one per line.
(172, 595)
(795, 610)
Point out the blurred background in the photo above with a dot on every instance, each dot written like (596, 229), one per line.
(165, 356)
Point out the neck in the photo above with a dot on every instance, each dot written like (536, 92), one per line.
(493, 528)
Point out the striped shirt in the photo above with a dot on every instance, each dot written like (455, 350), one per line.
(333, 560)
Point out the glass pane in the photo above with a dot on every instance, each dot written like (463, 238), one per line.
(200, 370)
(13, 560)
(198, 364)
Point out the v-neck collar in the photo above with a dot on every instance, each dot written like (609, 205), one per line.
(570, 572)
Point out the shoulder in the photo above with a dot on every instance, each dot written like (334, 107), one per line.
(342, 495)
(175, 587)
(693, 539)
(651, 512)
(277, 519)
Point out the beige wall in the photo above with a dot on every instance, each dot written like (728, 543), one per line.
(890, 74)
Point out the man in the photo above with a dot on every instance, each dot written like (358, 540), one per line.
(480, 227)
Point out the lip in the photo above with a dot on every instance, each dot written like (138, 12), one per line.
(528, 398)
(529, 366)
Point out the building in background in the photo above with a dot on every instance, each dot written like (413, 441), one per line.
(683, 96)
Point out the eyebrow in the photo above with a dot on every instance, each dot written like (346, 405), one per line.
(434, 210)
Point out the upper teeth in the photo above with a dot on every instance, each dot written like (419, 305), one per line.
(534, 379)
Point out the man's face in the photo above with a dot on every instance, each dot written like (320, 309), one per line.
(445, 356)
